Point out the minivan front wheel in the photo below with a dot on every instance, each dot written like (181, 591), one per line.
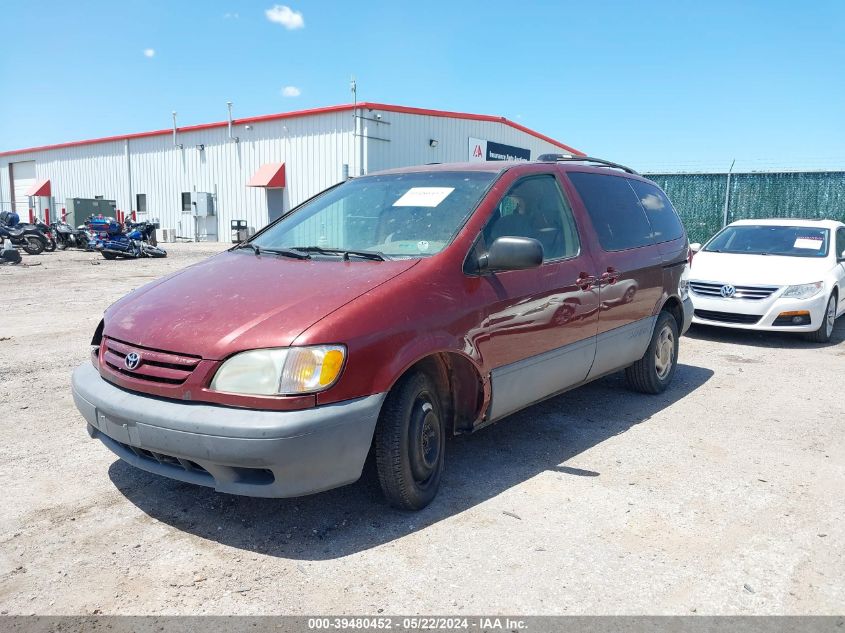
(654, 371)
(410, 443)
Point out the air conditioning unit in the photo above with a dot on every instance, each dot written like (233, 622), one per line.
(166, 235)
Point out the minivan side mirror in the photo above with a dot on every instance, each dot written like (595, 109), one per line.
(695, 247)
(511, 253)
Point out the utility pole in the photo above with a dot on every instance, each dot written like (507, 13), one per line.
(727, 195)
(359, 127)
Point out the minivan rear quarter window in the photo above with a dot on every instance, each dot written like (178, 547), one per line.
(616, 212)
(665, 223)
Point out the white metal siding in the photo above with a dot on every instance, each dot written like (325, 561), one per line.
(313, 147)
(409, 136)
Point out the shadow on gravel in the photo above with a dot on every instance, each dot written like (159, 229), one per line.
(751, 338)
(354, 518)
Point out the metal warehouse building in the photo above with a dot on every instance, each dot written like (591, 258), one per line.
(196, 180)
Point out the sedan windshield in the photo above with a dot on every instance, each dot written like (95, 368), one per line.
(394, 215)
(767, 239)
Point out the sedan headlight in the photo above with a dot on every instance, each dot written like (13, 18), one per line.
(282, 371)
(803, 291)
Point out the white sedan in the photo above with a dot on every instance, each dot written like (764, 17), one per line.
(776, 275)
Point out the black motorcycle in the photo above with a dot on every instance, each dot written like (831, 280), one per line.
(29, 238)
(46, 231)
(69, 237)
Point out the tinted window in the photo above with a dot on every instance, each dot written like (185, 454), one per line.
(535, 207)
(840, 243)
(665, 224)
(617, 215)
(770, 239)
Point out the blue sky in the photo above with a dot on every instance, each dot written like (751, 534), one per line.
(658, 85)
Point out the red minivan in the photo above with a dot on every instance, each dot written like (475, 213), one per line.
(382, 315)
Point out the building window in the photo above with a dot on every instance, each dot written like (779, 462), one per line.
(141, 202)
(186, 202)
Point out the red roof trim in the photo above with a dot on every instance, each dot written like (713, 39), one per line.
(302, 113)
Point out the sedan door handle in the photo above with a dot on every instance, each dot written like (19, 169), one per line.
(585, 280)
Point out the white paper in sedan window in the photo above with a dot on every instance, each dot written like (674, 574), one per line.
(813, 243)
(423, 196)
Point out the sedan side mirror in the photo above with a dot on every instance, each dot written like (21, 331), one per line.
(695, 247)
(512, 253)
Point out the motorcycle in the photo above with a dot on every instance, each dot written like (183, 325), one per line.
(67, 236)
(146, 229)
(113, 242)
(46, 231)
(25, 236)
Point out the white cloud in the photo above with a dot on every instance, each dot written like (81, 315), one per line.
(231, 16)
(287, 17)
(149, 52)
(291, 91)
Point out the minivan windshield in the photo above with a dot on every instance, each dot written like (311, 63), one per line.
(394, 215)
(769, 239)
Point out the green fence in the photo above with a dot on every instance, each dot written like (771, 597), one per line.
(700, 198)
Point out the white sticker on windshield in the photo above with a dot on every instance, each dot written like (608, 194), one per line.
(423, 196)
(814, 243)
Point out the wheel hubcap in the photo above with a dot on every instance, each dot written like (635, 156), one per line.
(424, 436)
(664, 352)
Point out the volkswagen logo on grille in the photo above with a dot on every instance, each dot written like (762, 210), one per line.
(132, 361)
(727, 292)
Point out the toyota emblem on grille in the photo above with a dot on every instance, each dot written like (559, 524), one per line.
(132, 361)
(727, 292)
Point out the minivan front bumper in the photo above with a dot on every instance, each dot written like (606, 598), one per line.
(238, 451)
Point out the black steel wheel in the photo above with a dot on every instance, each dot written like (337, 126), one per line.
(410, 443)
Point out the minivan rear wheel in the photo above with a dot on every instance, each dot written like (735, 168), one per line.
(654, 371)
(410, 442)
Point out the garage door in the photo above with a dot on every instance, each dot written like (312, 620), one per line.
(23, 177)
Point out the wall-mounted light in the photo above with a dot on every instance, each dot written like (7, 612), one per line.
(433, 142)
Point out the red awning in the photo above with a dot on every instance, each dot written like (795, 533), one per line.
(270, 175)
(40, 188)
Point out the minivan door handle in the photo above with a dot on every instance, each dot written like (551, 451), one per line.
(585, 280)
(610, 277)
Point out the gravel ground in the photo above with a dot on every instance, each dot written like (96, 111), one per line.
(722, 496)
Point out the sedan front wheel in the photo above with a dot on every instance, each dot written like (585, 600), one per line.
(822, 335)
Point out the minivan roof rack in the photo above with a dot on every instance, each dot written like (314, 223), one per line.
(559, 158)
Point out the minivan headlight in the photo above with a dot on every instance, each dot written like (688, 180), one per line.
(803, 291)
(281, 371)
